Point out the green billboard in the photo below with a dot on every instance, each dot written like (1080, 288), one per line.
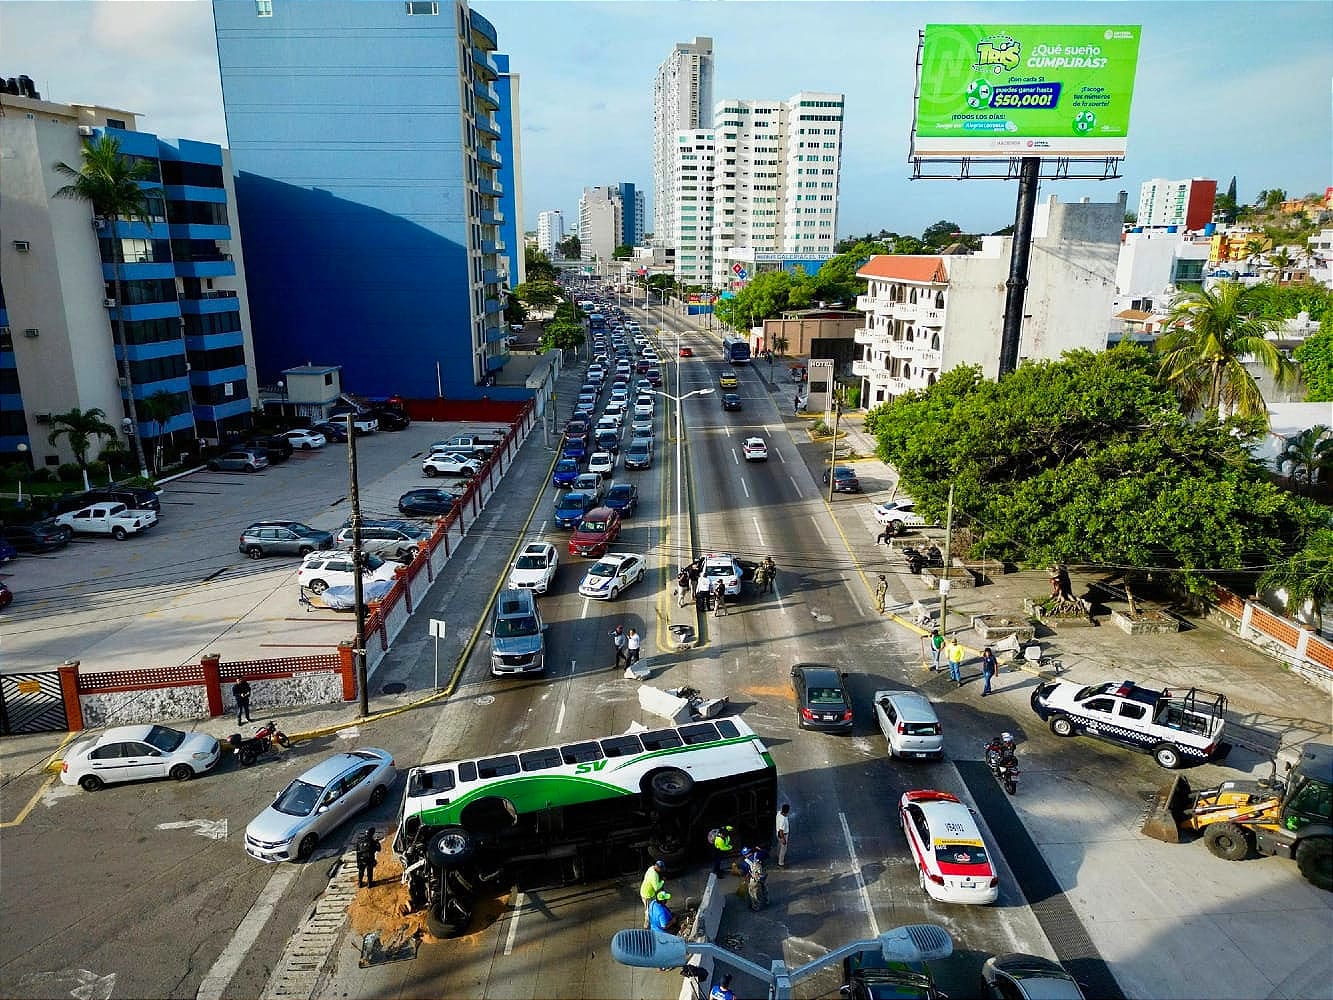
(1025, 90)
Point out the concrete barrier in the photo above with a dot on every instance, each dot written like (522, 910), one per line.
(705, 927)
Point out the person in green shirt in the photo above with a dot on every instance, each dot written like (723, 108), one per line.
(936, 645)
(653, 883)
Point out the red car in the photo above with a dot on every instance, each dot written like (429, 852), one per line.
(6, 596)
(687, 352)
(598, 529)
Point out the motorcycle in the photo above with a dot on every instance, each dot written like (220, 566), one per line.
(917, 560)
(267, 739)
(1004, 765)
(270, 731)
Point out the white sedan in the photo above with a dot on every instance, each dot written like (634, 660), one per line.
(724, 567)
(899, 515)
(603, 463)
(132, 753)
(612, 574)
(306, 439)
(535, 568)
(947, 848)
(451, 464)
(755, 450)
(333, 568)
(643, 406)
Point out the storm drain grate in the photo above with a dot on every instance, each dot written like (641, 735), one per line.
(297, 974)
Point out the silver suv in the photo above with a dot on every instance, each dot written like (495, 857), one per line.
(518, 645)
(396, 540)
(283, 538)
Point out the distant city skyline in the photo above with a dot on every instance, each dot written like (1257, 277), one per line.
(1211, 78)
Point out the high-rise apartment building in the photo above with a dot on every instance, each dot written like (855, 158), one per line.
(693, 166)
(509, 153)
(368, 140)
(631, 215)
(771, 186)
(682, 101)
(600, 222)
(550, 231)
(181, 295)
(1187, 204)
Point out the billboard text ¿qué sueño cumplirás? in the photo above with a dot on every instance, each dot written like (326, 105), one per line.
(1025, 90)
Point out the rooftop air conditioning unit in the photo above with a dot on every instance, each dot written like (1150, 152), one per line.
(31, 332)
(109, 303)
(86, 131)
(42, 418)
(22, 246)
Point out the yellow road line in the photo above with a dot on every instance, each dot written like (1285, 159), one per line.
(31, 804)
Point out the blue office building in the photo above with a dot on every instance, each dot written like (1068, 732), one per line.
(369, 152)
(631, 215)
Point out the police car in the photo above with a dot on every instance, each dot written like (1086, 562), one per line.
(951, 858)
(1176, 727)
(720, 566)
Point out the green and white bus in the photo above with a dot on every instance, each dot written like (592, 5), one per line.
(581, 810)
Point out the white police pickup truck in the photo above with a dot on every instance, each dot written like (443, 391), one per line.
(1175, 727)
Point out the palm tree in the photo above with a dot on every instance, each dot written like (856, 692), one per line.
(1210, 334)
(159, 408)
(80, 427)
(1280, 260)
(1309, 453)
(112, 184)
(1307, 577)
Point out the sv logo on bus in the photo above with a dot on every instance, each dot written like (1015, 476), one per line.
(588, 768)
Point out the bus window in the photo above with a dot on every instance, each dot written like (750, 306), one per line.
(581, 753)
(497, 767)
(728, 729)
(704, 732)
(621, 746)
(424, 782)
(539, 760)
(467, 771)
(660, 739)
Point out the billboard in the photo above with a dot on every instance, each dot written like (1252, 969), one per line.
(1041, 90)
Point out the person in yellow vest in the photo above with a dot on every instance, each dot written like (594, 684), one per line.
(720, 840)
(653, 883)
(956, 661)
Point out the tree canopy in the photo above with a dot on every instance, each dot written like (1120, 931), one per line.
(537, 266)
(538, 294)
(562, 335)
(1089, 460)
(569, 248)
(622, 252)
(1316, 358)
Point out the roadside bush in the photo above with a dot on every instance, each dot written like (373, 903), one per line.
(69, 472)
(821, 429)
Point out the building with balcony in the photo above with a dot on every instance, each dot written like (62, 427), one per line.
(550, 232)
(1184, 204)
(188, 359)
(692, 218)
(372, 177)
(927, 314)
(507, 149)
(682, 102)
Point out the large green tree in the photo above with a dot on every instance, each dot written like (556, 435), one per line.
(538, 294)
(1306, 576)
(537, 266)
(115, 186)
(1210, 334)
(1316, 359)
(562, 335)
(1088, 460)
(570, 248)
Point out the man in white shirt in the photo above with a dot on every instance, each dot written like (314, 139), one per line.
(632, 645)
(784, 831)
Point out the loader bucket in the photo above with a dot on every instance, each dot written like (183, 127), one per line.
(1168, 807)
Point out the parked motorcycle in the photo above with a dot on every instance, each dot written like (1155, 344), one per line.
(1003, 762)
(266, 740)
(270, 731)
(917, 560)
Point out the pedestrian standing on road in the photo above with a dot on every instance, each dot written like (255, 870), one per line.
(632, 644)
(653, 883)
(936, 648)
(720, 600)
(240, 692)
(784, 833)
(770, 574)
(618, 637)
(683, 586)
(956, 661)
(695, 568)
(881, 592)
(796, 405)
(367, 847)
(989, 668)
(761, 579)
(719, 839)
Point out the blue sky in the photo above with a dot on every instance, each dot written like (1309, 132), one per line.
(1223, 88)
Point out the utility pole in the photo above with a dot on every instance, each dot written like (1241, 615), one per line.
(833, 452)
(944, 583)
(358, 564)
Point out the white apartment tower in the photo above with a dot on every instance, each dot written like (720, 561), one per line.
(600, 222)
(693, 167)
(682, 99)
(550, 231)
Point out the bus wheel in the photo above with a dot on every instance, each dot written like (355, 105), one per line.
(450, 848)
(671, 787)
(669, 848)
(442, 926)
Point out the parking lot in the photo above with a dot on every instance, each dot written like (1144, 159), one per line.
(183, 588)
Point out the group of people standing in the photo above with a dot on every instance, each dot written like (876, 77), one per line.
(714, 598)
(628, 646)
(955, 654)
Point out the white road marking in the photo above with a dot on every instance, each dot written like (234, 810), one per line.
(856, 874)
(793, 484)
(211, 829)
(217, 978)
(513, 922)
(759, 532)
(746, 489)
(734, 459)
(819, 531)
(349, 733)
(783, 461)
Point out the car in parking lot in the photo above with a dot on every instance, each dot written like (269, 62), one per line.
(535, 568)
(306, 439)
(731, 401)
(114, 519)
(426, 503)
(238, 460)
(612, 574)
(727, 380)
(909, 723)
(135, 753)
(950, 857)
(312, 806)
(283, 538)
(335, 432)
(755, 449)
(390, 418)
(571, 506)
(639, 455)
(622, 497)
(822, 701)
(1027, 977)
(451, 464)
(596, 530)
(844, 479)
(133, 497)
(39, 536)
(321, 570)
(899, 514)
(275, 449)
(396, 540)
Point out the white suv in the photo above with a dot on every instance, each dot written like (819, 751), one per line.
(321, 570)
(535, 568)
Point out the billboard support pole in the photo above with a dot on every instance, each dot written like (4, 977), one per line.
(1017, 285)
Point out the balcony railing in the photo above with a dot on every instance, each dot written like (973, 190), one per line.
(897, 385)
(902, 349)
(928, 358)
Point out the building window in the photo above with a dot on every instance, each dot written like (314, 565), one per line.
(428, 7)
(115, 123)
(263, 8)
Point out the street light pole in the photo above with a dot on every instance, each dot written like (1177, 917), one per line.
(833, 453)
(358, 563)
(680, 437)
